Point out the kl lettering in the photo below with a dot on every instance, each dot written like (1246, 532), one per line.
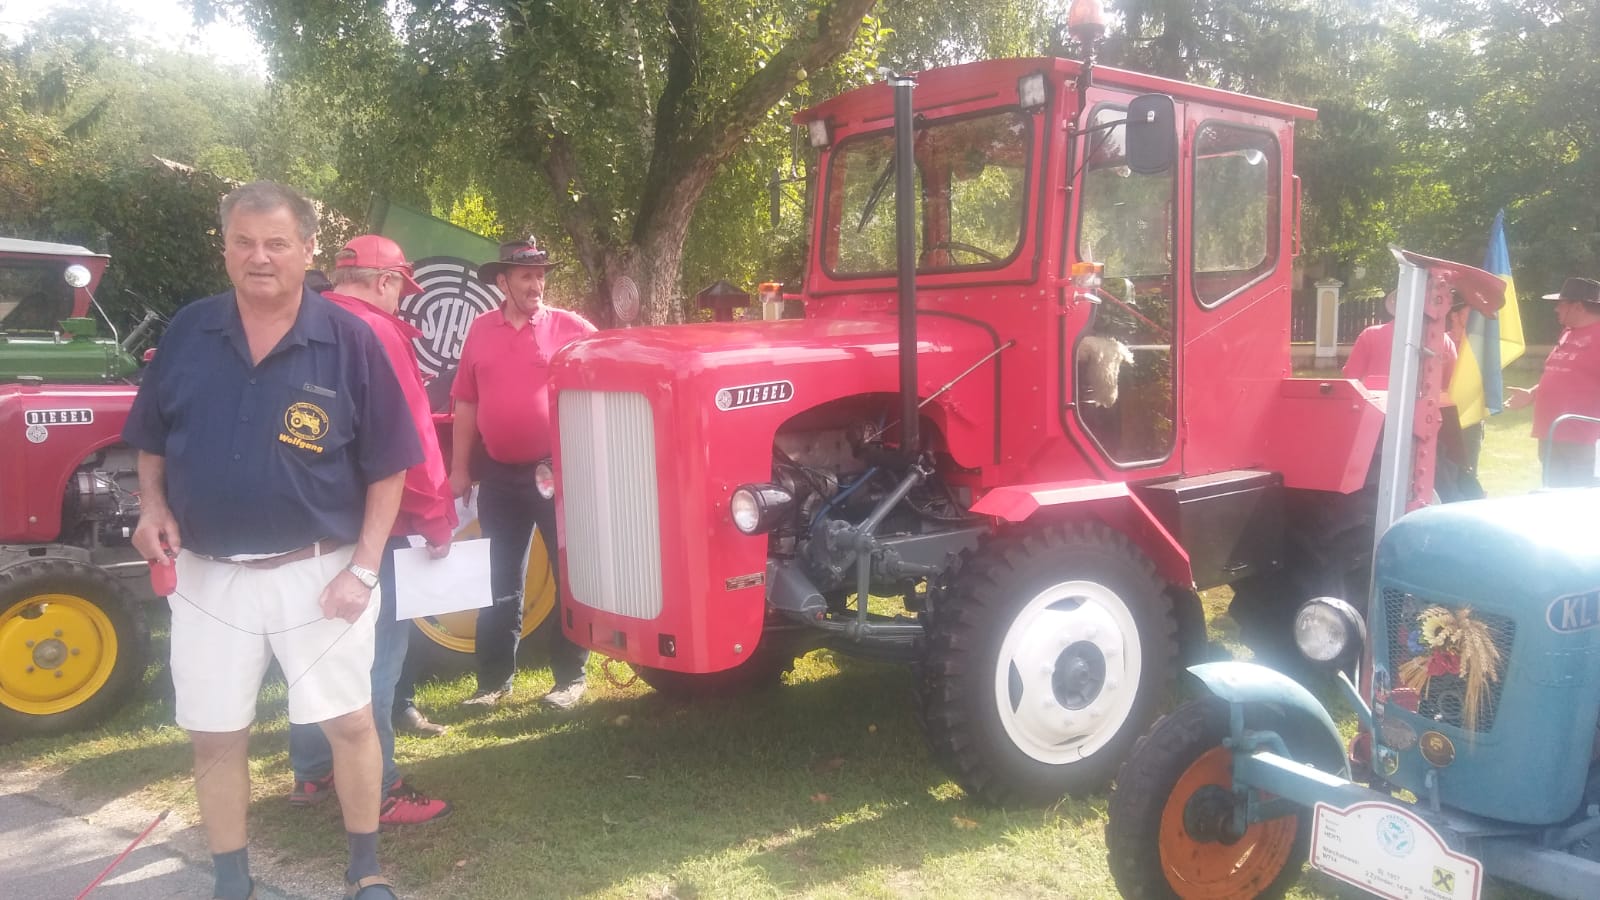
(1577, 612)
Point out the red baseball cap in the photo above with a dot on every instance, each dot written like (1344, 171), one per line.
(374, 251)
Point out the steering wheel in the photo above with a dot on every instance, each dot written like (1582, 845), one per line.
(962, 246)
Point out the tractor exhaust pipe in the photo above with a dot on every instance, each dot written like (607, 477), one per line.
(905, 168)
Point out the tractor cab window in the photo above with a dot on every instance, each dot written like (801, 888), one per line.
(972, 177)
(1123, 360)
(1236, 177)
(33, 296)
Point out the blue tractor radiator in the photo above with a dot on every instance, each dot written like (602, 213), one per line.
(1486, 653)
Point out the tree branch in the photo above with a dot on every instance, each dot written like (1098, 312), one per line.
(678, 180)
(578, 215)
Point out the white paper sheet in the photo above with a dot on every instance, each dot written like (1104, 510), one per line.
(432, 587)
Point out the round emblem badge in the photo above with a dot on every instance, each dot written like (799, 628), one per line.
(625, 299)
(306, 421)
(1437, 749)
(724, 398)
(37, 433)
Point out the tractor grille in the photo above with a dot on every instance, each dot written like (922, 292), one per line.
(1439, 651)
(609, 500)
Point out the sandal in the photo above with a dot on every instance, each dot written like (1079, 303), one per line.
(380, 888)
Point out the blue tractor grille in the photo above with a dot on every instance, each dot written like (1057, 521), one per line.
(1448, 659)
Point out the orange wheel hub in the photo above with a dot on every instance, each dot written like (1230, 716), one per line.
(1202, 858)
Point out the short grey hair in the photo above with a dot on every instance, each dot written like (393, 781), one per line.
(343, 275)
(266, 196)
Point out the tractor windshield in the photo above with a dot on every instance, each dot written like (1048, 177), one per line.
(33, 296)
(973, 175)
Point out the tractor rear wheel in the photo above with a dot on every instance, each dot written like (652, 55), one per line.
(445, 645)
(1169, 831)
(1046, 663)
(72, 645)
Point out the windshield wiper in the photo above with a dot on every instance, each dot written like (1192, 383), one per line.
(876, 195)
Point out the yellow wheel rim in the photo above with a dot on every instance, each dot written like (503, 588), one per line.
(56, 652)
(458, 631)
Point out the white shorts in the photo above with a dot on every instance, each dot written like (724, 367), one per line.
(219, 660)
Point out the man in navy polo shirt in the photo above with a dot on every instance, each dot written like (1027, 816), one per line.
(273, 440)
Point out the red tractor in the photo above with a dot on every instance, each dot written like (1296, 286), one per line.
(72, 636)
(1040, 396)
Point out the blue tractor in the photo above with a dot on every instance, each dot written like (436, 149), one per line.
(1478, 704)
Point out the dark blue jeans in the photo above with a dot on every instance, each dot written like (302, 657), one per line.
(509, 507)
(309, 753)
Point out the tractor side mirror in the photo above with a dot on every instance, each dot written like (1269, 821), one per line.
(1152, 134)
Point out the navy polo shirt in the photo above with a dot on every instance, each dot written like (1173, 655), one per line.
(269, 458)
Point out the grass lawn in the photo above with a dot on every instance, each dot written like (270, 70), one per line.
(822, 788)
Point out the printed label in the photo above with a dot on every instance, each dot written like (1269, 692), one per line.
(1392, 852)
(1574, 612)
(747, 395)
(59, 417)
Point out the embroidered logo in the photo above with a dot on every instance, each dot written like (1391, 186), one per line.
(304, 424)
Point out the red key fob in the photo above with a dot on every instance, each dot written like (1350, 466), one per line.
(163, 576)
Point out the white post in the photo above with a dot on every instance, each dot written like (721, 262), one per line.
(1327, 334)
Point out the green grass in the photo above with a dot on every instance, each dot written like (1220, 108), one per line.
(822, 788)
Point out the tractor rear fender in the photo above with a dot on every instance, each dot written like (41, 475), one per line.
(1108, 501)
(1273, 701)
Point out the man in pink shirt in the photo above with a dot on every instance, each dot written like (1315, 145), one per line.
(370, 276)
(502, 397)
(1570, 384)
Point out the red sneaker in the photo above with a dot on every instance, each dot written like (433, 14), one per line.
(405, 805)
(310, 793)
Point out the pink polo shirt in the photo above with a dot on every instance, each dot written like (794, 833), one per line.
(426, 506)
(506, 372)
(1570, 384)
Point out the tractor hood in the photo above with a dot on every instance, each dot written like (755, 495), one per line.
(789, 366)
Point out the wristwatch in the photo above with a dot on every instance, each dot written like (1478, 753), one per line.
(364, 575)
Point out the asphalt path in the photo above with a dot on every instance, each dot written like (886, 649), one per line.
(48, 852)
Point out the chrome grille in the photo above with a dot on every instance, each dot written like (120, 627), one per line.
(609, 501)
(1444, 696)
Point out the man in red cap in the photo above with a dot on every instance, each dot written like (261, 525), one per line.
(502, 395)
(1570, 384)
(370, 276)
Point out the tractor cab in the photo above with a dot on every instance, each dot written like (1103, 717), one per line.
(1040, 396)
(47, 329)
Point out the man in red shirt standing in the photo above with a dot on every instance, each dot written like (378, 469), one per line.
(370, 276)
(1570, 384)
(502, 395)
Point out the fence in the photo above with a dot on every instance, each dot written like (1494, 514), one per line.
(1354, 316)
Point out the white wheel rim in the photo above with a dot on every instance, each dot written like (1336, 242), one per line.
(1066, 710)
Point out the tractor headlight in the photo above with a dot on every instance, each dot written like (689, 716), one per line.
(756, 508)
(544, 478)
(1329, 631)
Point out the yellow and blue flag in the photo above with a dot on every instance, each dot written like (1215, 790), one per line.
(1491, 344)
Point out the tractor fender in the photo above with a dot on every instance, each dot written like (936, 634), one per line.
(1109, 501)
(1274, 701)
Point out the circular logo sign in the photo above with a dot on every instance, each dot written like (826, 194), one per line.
(625, 299)
(452, 296)
(724, 399)
(1437, 749)
(306, 421)
(37, 433)
(1396, 836)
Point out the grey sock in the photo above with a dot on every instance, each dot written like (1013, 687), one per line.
(233, 874)
(363, 855)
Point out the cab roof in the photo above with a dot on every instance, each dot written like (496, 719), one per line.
(45, 248)
(973, 81)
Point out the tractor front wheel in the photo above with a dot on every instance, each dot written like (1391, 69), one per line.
(72, 645)
(1046, 663)
(1170, 829)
